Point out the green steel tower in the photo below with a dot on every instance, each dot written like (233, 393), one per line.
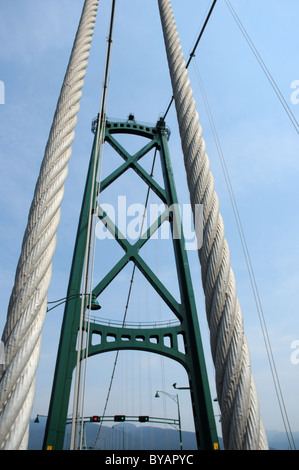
(192, 359)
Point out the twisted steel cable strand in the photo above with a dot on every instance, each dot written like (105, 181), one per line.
(242, 427)
(28, 302)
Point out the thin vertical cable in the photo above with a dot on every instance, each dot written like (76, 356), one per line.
(100, 132)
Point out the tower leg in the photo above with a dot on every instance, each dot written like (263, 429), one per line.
(67, 353)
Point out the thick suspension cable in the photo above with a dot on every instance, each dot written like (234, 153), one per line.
(250, 269)
(242, 427)
(28, 302)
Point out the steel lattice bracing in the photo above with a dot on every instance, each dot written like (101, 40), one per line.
(125, 337)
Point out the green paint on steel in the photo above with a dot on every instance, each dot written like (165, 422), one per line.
(153, 339)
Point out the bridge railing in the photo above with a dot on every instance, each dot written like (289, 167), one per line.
(126, 324)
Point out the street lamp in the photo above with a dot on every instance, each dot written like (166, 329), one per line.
(39, 416)
(94, 304)
(175, 398)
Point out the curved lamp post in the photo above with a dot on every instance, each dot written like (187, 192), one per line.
(175, 398)
(94, 304)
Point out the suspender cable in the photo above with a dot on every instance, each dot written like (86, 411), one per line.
(88, 266)
(192, 54)
(107, 65)
(264, 67)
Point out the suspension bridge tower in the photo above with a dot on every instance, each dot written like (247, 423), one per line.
(151, 339)
(242, 427)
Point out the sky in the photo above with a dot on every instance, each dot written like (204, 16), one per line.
(258, 141)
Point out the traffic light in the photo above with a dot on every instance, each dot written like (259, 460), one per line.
(143, 419)
(95, 419)
(119, 418)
